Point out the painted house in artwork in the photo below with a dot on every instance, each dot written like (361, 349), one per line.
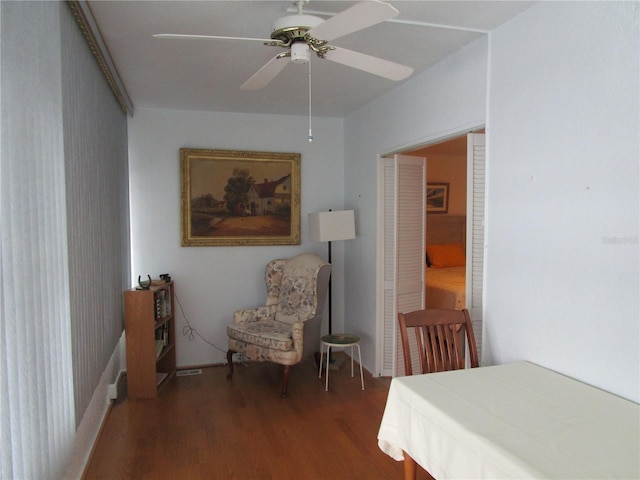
(266, 198)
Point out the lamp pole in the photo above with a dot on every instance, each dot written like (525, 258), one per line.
(330, 307)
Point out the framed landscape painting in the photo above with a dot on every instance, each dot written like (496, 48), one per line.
(232, 197)
(437, 197)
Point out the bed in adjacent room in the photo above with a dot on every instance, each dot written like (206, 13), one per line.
(445, 263)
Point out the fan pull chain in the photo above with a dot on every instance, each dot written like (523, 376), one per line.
(310, 132)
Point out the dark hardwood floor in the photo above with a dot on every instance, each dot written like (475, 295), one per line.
(206, 427)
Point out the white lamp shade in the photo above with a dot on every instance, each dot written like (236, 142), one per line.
(332, 225)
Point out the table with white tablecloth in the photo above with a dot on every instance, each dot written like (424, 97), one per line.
(516, 420)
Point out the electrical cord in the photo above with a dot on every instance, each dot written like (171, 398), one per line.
(191, 332)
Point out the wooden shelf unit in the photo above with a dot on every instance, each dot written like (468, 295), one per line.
(149, 316)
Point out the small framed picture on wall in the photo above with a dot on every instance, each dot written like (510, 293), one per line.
(437, 197)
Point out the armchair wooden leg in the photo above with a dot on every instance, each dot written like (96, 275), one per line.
(230, 362)
(285, 380)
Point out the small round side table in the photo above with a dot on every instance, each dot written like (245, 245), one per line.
(340, 340)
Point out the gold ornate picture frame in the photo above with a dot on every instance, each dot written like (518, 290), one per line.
(234, 197)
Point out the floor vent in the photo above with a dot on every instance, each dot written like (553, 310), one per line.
(191, 371)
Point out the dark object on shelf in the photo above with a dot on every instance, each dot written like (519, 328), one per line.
(166, 277)
(144, 285)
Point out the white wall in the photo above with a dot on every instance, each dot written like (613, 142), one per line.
(563, 180)
(213, 282)
(561, 284)
(447, 99)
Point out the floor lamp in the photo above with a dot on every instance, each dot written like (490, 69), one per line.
(329, 227)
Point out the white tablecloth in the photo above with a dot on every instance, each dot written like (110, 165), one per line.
(511, 421)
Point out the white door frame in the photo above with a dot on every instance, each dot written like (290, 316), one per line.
(379, 357)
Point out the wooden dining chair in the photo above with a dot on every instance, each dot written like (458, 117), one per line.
(440, 337)
(440, 343)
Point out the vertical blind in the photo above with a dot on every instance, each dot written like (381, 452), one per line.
(64, 238)
(37, 418)
(95, 143)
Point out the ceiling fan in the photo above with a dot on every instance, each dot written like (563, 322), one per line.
(301, 35)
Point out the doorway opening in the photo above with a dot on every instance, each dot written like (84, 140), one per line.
(445, 222)
(451, 220)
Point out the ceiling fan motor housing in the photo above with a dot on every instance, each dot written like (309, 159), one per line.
(293, 27)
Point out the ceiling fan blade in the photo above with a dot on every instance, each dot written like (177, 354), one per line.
(268, 72)
(361, 15)
(216, 37)
(367, 63)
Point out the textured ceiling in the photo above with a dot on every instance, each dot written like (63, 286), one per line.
(207, 74)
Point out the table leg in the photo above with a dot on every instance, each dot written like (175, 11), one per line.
(409, 467)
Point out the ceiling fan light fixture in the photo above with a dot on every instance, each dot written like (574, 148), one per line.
(300, 52)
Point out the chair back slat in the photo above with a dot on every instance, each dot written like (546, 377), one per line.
(422, 348)
(444, 342)
(431, 352)
(440, 341)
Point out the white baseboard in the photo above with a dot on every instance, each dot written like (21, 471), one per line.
(114, 389)
(95, 414)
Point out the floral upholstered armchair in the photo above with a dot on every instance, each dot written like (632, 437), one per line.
(287, 328)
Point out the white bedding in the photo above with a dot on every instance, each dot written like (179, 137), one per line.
(445, 287)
